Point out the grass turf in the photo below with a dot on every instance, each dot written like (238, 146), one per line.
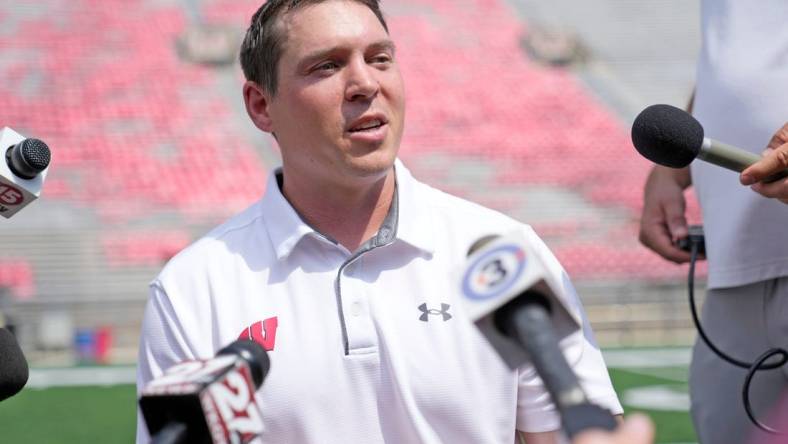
(107, 414)
(70, 415)
(672, 426)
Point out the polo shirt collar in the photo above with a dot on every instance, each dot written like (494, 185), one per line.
(415, 225)
(408, 217)
(284, 225)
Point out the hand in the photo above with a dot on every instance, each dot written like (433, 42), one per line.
(775, 160)
(662, 222)
(636, 429)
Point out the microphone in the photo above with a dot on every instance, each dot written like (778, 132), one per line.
(671, 137)
(13, 366)
(22, 172)
(208, 401)
(509, 294)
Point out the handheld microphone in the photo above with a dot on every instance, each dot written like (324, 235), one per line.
(508, 292)
(671, 137)
(13, 366)
(22, 171)
(208, 401)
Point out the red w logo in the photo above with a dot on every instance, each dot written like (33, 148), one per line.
(262, 332)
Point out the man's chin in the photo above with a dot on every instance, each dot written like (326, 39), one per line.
(375, 164)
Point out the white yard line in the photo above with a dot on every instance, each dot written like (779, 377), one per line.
(104, 376)
(647, 358)
(657, 397)
(41, 378)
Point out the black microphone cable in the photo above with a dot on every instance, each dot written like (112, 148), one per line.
(752, 367)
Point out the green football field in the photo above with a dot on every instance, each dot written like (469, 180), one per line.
(673, 424)
(107, 414)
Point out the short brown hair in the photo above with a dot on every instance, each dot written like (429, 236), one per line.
(262, 44)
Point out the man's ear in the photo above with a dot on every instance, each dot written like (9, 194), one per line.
(257, 102)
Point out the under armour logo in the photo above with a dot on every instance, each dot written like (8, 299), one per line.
(425, 312)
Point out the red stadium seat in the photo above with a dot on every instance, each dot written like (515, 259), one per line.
(136, 132)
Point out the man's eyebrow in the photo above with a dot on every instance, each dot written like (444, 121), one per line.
(385, 45)
(381, 45)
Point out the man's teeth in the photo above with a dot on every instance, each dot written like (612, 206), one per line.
(371, 124)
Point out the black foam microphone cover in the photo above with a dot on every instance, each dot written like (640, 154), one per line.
(667, 135)
(13, 366)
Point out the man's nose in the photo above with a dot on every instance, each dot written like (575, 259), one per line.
(362, 83)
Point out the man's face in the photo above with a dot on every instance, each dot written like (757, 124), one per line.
(339, 108)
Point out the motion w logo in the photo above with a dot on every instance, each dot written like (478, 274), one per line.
(262, 332)
(425, 312)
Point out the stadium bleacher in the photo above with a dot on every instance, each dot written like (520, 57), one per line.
(149, 151)
(17, 276)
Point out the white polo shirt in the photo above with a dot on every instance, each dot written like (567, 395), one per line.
(368, 346)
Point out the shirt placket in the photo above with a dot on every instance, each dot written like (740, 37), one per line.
(359, 328)
(353, 291)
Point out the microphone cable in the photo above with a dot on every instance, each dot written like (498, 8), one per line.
(752, 367)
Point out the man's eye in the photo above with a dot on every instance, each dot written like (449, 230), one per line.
(381, 59)
(326, 66)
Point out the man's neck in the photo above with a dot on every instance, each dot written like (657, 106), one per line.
(348, 213)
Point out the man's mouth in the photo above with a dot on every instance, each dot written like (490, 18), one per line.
(367, 126)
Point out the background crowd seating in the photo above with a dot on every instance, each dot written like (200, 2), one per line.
(150, 151)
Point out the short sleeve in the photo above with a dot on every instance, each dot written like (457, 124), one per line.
(535, 410)
(162, 344)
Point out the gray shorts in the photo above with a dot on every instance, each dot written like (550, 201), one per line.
(743, 322)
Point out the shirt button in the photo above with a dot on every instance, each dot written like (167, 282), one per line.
(355, 308)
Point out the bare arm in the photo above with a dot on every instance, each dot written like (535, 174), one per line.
(538, 438)
(636, 429)
(554, 437)
(663, 219)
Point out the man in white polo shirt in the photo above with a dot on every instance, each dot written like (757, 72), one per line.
(343, 271)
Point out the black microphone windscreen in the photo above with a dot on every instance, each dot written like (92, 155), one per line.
(28, 158)
(13, 366)
(36, 153)
(254, 354)
(667, 135)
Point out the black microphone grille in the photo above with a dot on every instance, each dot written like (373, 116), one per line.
(35, 153)
(13, 366)
(254, 354)
(667, 135)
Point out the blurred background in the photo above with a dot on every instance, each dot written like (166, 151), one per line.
(521, 105)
